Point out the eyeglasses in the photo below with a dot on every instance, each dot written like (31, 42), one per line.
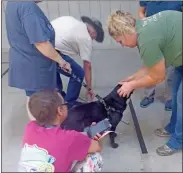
(64, 104)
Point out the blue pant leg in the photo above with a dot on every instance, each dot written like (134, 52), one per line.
(176, 138)
(177, 77)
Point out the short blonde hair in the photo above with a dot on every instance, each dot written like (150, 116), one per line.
(120, 23)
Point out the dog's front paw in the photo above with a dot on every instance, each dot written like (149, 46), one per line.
(114, 145)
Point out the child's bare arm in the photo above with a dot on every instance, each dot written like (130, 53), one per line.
(94, 147)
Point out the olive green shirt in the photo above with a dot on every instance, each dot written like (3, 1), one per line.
(160, 36)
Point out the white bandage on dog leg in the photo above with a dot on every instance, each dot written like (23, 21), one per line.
(28, 111)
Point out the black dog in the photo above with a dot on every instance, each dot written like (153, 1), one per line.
(83, 115)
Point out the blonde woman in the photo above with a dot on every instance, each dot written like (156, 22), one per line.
(159, 40)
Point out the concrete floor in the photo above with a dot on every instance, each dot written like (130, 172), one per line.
(127, 157)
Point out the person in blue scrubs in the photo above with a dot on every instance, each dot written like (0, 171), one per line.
(146, 9)
(33, 59)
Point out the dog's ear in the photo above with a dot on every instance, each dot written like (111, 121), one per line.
(118, 86)
(112, 94)
(108, 98)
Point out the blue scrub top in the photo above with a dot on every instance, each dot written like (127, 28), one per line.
(26, 25)
(153, 7)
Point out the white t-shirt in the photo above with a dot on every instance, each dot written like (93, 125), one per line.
(72, 37)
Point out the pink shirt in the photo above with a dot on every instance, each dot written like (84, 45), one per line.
(51, 149)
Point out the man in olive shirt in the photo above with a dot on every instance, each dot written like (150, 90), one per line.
(159, 40)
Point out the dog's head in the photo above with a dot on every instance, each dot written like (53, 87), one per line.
(115, 101)
(118, 103)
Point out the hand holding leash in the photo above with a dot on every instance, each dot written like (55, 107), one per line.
(90, 94)
(66, 67)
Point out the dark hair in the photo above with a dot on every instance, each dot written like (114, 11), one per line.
(43, 106)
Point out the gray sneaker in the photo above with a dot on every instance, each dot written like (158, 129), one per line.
(165, 150)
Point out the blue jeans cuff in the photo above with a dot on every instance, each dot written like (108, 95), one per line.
(169, 128)
(174, 144)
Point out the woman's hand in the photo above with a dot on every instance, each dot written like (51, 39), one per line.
(65, 66)
(125, 89)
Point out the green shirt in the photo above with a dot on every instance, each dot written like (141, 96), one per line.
(160, 36)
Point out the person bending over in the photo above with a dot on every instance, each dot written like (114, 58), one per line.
(159, 41)
(73, 39)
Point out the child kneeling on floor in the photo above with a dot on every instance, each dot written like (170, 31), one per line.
(48, 148)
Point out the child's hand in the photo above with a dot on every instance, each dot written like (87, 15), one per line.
(97, 136)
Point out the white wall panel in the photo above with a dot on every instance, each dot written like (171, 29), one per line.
(5, 44)
(84, 8)
(53, 9)
(64, 9)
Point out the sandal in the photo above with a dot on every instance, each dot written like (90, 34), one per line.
(161, 132)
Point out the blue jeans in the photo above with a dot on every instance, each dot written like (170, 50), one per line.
(175, 125)
(74, 87)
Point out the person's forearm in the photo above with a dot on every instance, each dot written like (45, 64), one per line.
(49, 51)
(141, 12)
(141, 72)
(141, 15)
(145, 81)
(88, 76)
